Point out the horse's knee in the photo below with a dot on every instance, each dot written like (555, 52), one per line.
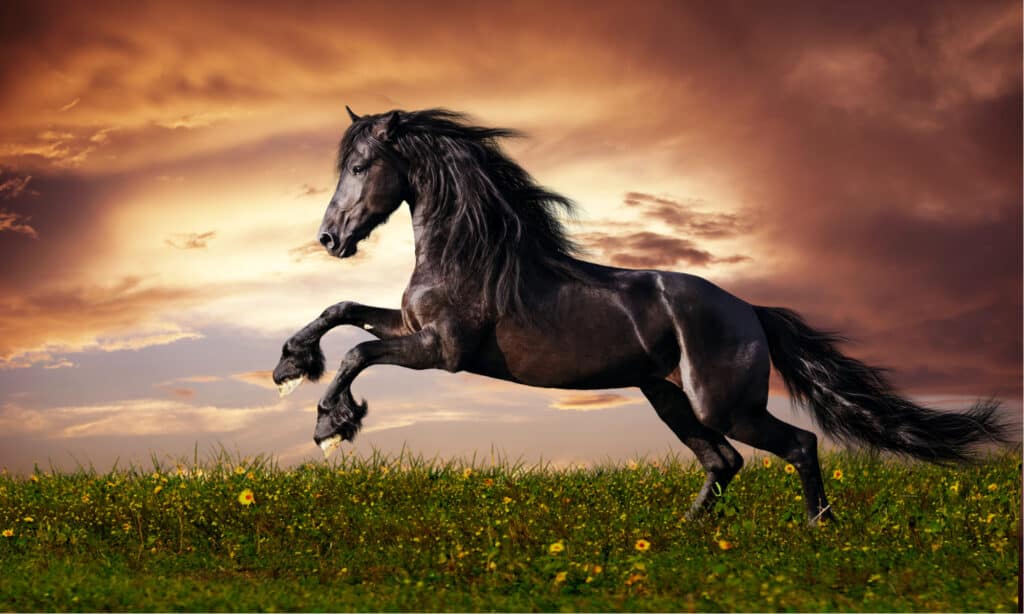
(337, 312)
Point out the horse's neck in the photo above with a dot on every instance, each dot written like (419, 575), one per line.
(425, 237)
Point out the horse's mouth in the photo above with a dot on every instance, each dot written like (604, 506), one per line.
(345, 250)
(348, 247)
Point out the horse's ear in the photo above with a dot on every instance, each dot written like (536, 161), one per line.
(352, 115)
(387, 126)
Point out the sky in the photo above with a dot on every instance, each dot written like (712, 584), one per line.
(164, 167)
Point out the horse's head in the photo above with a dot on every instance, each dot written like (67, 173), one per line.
(373, 182)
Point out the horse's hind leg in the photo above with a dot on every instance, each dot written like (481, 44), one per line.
(763, 430)
(720, 460)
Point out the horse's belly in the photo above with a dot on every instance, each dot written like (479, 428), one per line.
(600, 350)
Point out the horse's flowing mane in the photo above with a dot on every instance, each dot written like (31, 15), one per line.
(498, 228)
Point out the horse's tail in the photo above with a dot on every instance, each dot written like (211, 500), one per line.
(853, 401)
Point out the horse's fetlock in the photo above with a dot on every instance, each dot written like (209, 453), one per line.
(734, 461)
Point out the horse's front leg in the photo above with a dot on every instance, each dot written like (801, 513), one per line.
(301, 356)
(339, 417)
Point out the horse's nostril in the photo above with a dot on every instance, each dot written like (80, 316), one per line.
(327, 240)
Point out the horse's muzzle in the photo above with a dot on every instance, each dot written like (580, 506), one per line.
(329, 240)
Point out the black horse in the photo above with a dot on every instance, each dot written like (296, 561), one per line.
(497, 291)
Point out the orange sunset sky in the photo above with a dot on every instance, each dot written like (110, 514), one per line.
(164, 167)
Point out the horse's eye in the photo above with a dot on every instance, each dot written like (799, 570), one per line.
(358, 169)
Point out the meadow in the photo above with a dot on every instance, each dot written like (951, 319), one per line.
(411, 534)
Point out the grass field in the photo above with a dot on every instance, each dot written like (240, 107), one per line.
(406, 534)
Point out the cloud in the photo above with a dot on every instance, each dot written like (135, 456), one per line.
(190, 240)
(197, 379)
(63, 148)
(183, 393)
(15, 187)
(308, 190)
(684, 217)
(191, 121)
(591, 401)
(34, 329)
(17, 223)
(306, 250)
(648, 249)
(133, 417)
(70, 105)
(263, 379)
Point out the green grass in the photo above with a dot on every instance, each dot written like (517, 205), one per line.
(401, 534)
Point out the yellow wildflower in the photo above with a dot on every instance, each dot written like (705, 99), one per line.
(506, 500)
(992, 487)
(837, 474)
(85, 498)
(29, 519)
(157, 489)
(767, 462)
(239, 470)
(246, 497)
(955, 488)
(598, 569)
(488, 482)
(560, 577)
(634, 578)
(467, 472)
(556, 547)
(8, 532)
(34, 477)
(642, 545)
(790, 468)
(725, 544)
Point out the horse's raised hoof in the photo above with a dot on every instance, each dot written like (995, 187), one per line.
(339, 423)
(329, 445)
(289, 385)
(298, 363)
